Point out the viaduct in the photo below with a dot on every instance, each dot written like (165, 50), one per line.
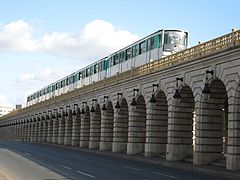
(183, 105)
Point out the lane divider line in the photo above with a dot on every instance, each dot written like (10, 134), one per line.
(166, 175)
(85, 174)
(133, 168)
(66, 167)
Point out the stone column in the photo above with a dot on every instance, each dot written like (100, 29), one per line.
(137, 128)
(32, 131)
(85, 129)
(68, 128)
(45, 130)
(106, 139)
(61, 129)
(180, 127)
(50, 129)
(120, 132)
(35, 133)
(55, 128)
(40, 130)
(76, 127)
(95, 128)
(233, 151)
(156, 130)
(29, 132)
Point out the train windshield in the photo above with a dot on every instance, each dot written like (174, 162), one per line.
(174, 37)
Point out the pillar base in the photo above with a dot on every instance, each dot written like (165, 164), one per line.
(153, 150)
(233, 162)
(119, 147)
(83, 144)
(135, 148)
(176, 152)
(200, 158)
(93, 145)
(75, 143)
(60, 140)
(105, 146)
(67, 141)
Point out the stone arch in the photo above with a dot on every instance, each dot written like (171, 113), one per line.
(180, 126)
(213, 113)
(120, 132)
(137, 127)
(85, 127)
(95, 127)
(156, 127)
(106, 139)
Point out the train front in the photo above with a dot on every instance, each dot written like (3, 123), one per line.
(174, 41)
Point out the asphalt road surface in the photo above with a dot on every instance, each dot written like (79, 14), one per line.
(26, 161)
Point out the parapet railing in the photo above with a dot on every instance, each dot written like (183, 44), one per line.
(207, 48)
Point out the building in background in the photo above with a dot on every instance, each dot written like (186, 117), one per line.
(5, 110)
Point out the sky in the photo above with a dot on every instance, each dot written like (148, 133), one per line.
(42, 41)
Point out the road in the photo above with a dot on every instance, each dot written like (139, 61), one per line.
(39, 161)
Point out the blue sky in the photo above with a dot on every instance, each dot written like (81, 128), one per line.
(44, 40)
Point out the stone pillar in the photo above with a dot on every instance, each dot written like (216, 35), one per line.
(137, 128)
(35, 131)
(233, 151)
(120, 131)
(76, 128)
(32, 131)
(68, 128)
(106, 139)
(180, 127)
(61, 129)
(40, 131)
(95, 128)
(45, 130)
(156, 130)
(55, 129)
(29, 132)
(85, 129)
(209, 132)
(50, 130)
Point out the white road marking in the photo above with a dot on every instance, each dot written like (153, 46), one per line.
(166, 175)
(133, 168)
(85, 174)
(66, 167)
(27, 154)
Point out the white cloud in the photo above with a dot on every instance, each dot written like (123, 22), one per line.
(4, 101)
(17, 36)
(97, 39)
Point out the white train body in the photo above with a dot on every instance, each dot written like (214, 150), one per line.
(150, 48)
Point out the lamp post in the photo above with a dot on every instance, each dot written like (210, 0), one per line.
(177, 96)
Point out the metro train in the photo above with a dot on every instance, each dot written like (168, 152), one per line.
(152, 47)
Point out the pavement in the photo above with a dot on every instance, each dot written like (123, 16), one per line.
(25, 161)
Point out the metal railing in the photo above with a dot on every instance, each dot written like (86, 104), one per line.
(210, 47)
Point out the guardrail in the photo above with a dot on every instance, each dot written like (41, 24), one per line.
(210, 47)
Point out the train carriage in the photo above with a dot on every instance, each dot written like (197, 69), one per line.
(153, 47)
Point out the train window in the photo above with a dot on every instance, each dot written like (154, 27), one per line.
(53, 87)
(158, 41)
(135, 50)
(95, 68)
(166, 39)
(67, 81)
(115, 59)
(87, 72)
(49, 89)
(83, 73)
(79, 75)
(121, 56)
(151, 43)
(142, 47)
(128, 53)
